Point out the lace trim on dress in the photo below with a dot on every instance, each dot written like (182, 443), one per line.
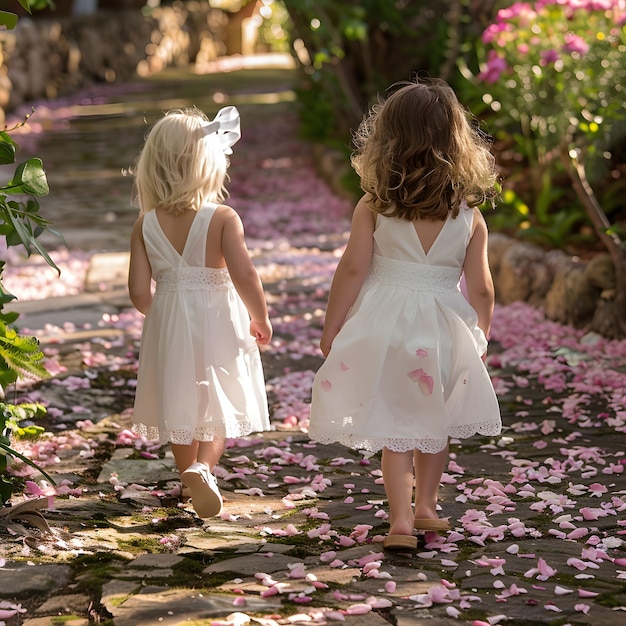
(429, 446)
(151, 433)
(413, 275)
(186, 278)
(184, 437)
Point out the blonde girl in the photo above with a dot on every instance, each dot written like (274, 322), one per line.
(200, 379)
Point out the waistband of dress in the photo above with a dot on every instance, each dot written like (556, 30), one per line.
(192, 278)
(414, 275)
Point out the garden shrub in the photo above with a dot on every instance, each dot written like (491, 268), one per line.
(553, 73)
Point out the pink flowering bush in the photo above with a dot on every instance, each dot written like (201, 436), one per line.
(554, 74)
(557, 68)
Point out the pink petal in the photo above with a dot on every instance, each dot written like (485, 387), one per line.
(544, 568)
(415, 375)
(335, 616)
(326, 557)
(4, 614)
(326, 385)
(427, 384)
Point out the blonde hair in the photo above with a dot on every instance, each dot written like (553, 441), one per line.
(179, 167)
(418, 155)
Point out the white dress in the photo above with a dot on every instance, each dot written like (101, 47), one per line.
(200, 373)
(405, 370)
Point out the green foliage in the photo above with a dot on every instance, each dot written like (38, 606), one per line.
(9, 20)
(20, 356)
(553, 73)
(351, 51)
(11, 416)
(20, 225)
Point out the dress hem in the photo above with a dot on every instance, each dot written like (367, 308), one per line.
(185, 438)
(426, 445)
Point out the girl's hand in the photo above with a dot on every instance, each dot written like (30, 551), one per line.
(326, 342)
(261, 330)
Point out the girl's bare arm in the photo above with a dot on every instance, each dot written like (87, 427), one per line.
(478, 279)
(245, 276)
(139, 272)
(350, 274)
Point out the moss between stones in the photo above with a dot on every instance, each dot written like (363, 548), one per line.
(140, 545)
(93, 570)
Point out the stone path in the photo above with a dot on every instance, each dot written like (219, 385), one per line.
(538, 513)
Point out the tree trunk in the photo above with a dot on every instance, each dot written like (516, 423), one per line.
(610, 318)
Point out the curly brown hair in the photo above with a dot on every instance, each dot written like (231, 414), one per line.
(419, 156)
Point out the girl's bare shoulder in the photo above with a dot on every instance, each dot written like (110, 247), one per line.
(224, 213)
(137, 226)
(226, 219)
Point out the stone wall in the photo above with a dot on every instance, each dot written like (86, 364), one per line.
(52, 57)
(569, 290)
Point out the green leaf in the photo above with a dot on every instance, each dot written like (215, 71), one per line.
(8, 19)
(32, 206)
(13, 239)
(6, 297)
(30, 178)
(9, 318)
(21, 231)
(44, 254)
(25, 4)
(56, 233)
(7, 149)
(22, 355)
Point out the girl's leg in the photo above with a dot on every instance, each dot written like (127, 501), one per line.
(184, 455)
(210, 452)
(205, 495)
(397, 468)
(207, 452)
(428, 471)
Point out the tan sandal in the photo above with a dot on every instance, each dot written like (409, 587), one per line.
(429, 525)
(400, 542)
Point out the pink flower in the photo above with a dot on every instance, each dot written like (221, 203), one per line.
(496, 66)
(549, 57)
(575, 43)
(515, 10)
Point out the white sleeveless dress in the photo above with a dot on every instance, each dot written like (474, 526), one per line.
(405, 371)
(200, 374)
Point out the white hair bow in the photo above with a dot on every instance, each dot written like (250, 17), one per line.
(226, 125)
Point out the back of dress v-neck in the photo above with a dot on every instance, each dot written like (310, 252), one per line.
(166, 238)
(194, 249)
(435, 240)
